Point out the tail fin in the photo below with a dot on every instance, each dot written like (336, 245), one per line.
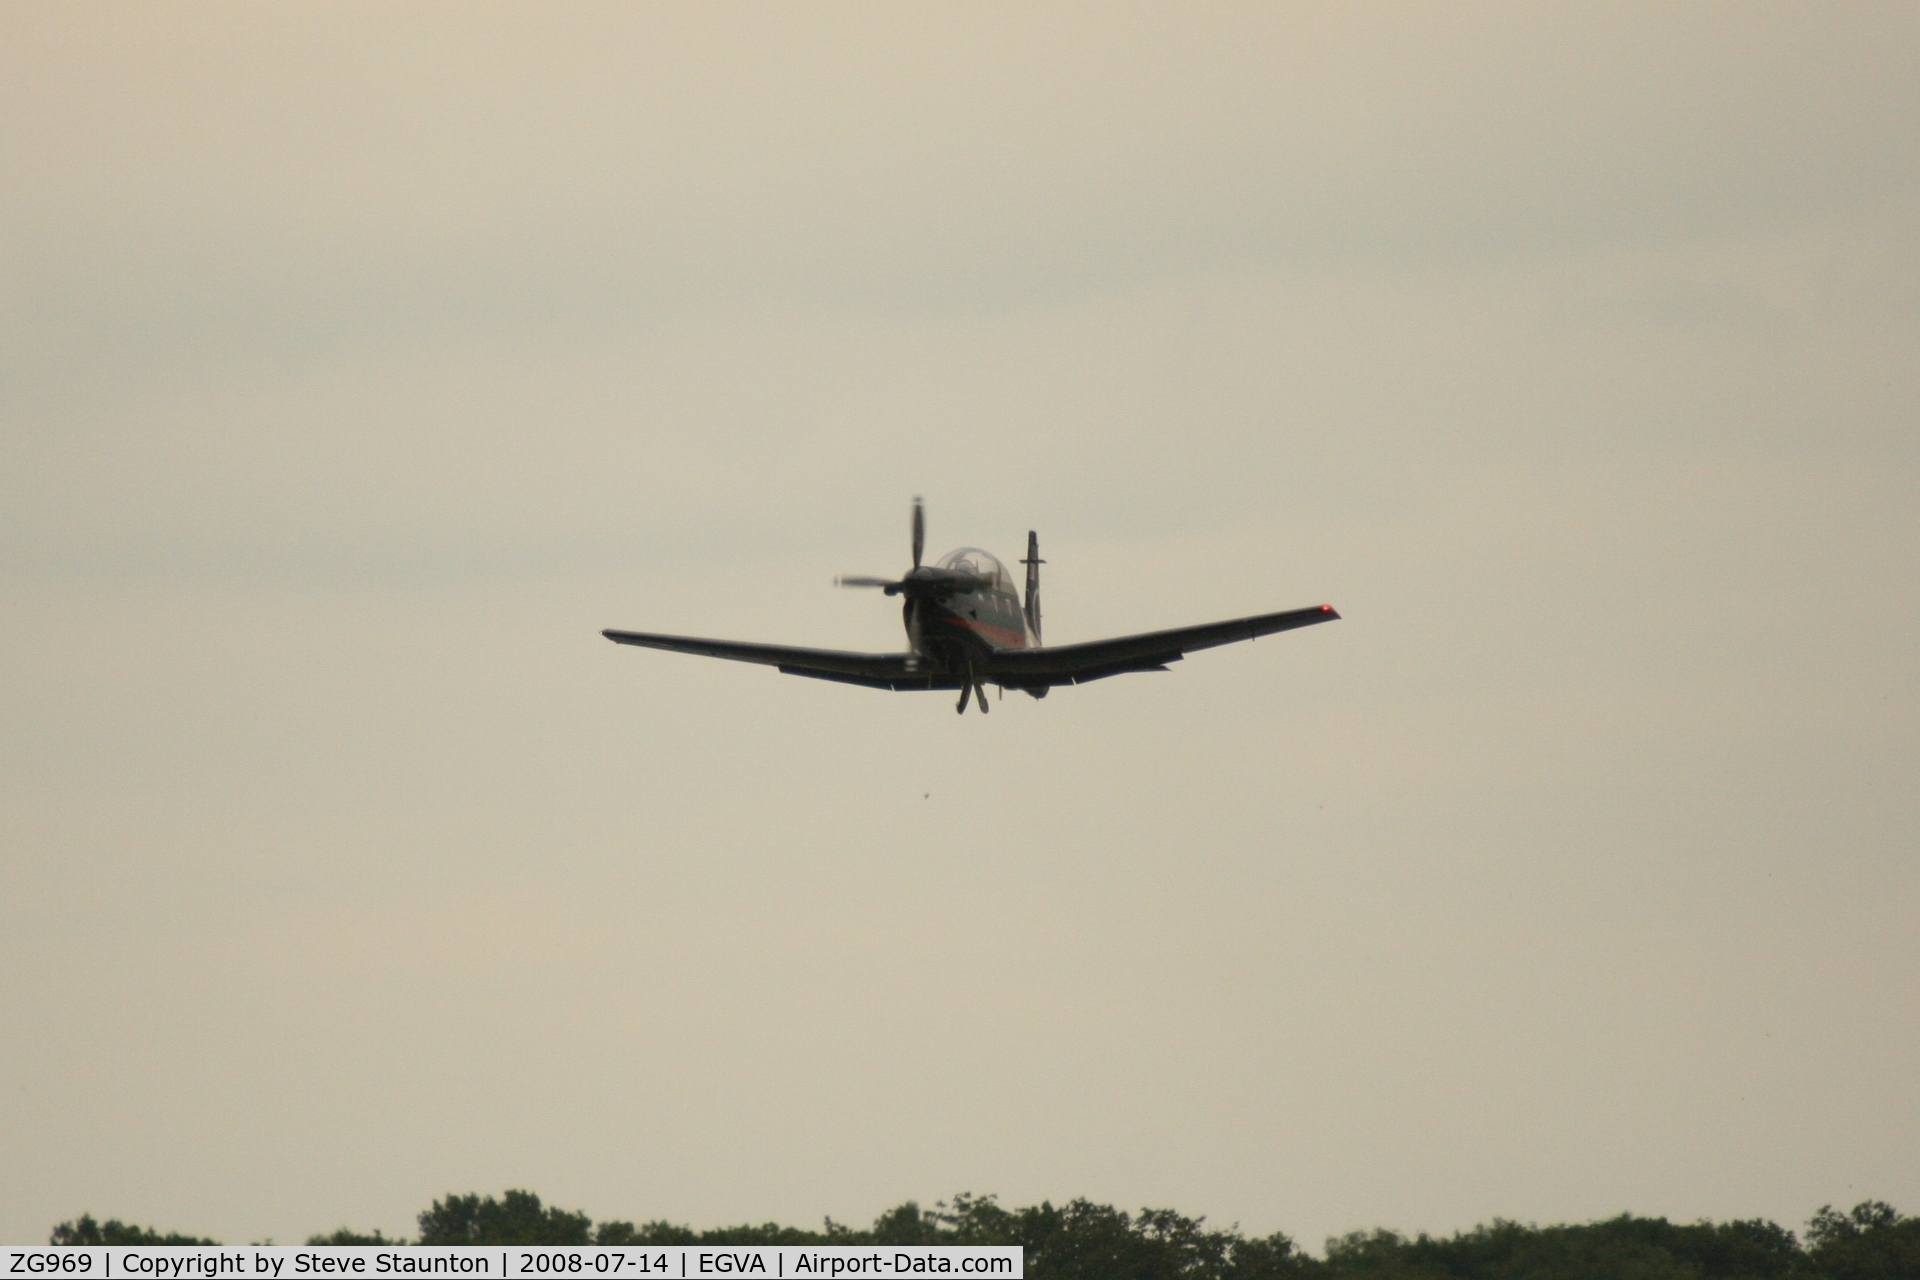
(1033, 563)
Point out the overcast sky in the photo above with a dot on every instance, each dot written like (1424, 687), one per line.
(358, 364)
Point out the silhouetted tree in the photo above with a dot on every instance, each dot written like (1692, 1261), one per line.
(84, 1230)
(516, 1218)
(1623, 1247)
(347, 1235)
(1873, 1242)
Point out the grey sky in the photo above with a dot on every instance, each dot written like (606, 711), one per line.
(357, 364)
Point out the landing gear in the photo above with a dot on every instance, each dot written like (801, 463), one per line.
(972, 687)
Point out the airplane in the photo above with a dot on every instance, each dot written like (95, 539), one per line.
(966, 629)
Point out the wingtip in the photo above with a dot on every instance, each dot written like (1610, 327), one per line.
(1331, 612)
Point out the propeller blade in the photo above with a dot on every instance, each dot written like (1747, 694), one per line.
(865, 582)
(919, 530)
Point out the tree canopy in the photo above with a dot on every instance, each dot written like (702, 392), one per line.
(1081, 1240)
(84, 1230)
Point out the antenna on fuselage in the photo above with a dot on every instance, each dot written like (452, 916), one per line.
(1033, 563)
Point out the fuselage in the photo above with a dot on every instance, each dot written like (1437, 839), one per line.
(964, 629)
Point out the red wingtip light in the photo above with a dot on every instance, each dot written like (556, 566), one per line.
(1326, 608)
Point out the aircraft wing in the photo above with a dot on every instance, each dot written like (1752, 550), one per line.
(1150, 651)
(880, 670)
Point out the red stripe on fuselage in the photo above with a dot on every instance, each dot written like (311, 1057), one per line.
(998, 637)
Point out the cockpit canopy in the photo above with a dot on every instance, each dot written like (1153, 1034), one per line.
(981, 565)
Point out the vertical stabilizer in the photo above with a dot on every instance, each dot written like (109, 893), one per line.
(1033, 563)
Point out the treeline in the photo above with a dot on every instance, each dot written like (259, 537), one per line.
(1085, 1241)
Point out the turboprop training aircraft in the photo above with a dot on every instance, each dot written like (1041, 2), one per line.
(967, 629)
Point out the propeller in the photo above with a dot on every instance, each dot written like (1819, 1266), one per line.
(919, 581)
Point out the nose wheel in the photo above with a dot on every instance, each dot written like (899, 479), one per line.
(972, 688)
